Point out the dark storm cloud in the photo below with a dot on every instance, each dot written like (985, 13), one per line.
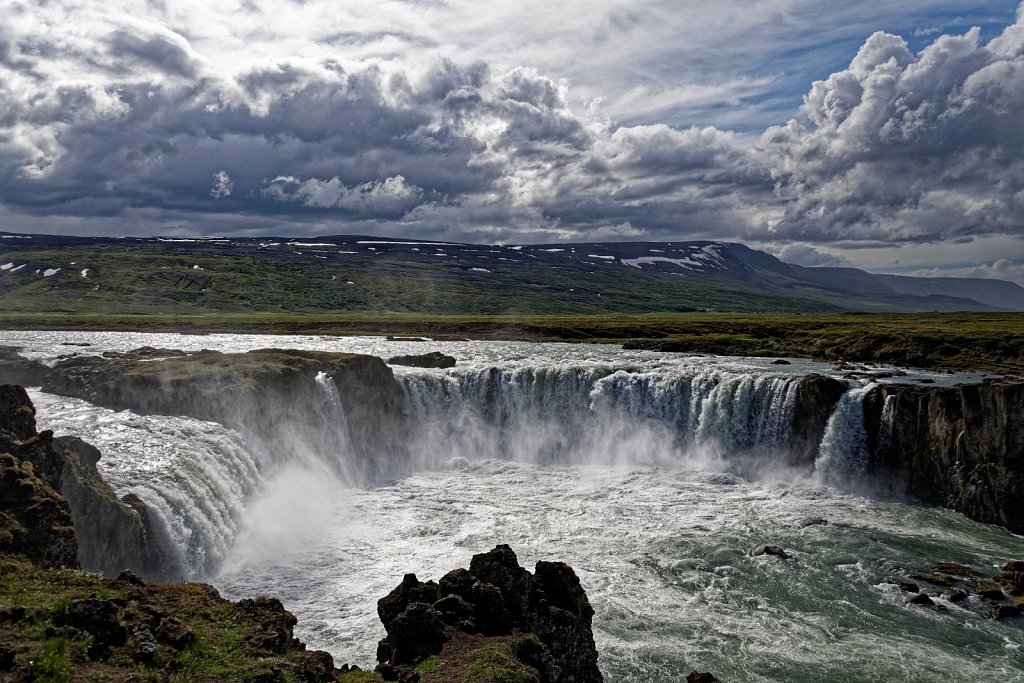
(900, 147)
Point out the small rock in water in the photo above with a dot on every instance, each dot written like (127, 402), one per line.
(779, 361)
(776, 551)
(956, 596)
(434, 359)
(989, 590)
(811, 521)
(920, 599)
(954, 569)
(1000, 612)
(701, 677)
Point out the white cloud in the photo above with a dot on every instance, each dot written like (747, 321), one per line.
(222, 185)
(806, 255)
(377, 195)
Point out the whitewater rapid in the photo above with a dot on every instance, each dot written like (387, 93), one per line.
(657, 476)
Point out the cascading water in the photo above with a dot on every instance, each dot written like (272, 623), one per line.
(196, 477)
(664, 545)
(843, 453)
(597, 415)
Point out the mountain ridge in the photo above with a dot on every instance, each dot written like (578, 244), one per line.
(369, 273)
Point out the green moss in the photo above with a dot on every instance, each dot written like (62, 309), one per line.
(224, 648)
(498, 664)
(52, 663)
(429, 665)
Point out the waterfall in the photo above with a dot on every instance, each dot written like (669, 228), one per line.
(195, 477)
(230, 499)
(596, 414)
(843, 453)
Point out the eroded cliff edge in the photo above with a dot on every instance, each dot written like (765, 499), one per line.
(960, 447)
(53, 478)
(270, 394)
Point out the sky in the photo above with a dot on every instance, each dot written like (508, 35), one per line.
(882, 135)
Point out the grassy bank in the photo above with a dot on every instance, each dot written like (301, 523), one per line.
(991, 342)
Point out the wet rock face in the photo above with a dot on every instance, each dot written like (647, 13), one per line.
(495, 598)
(816, 398)
(274, 396)
(35, 520)
(70, 516)
(960, 447)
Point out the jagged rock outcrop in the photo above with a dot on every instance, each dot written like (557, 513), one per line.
(34, 520)
(434, 359)
(110, 534)
(16, 369)
(960, 447)
(816, 398)
(542, 620)
(270, 394)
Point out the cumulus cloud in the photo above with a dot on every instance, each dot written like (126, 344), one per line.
(138, 109)
(908, 147)
(389, 194)
(222, 185)
(806, 255)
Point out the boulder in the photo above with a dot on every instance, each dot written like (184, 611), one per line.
(699, 677)
(434, 359)
(546, 613)
(397, 601)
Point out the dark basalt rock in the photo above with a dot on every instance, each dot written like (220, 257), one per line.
(958, 447)
(816, 398)
(500, 568)
(698, 677)
(16, 369)
(906, 586)
(776, 551)
(434, 359)
(108, 534)
(921, 599)
(409, 591)
(97, 617)
(495, 598)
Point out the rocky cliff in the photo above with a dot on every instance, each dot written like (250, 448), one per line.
(961, 447)
(270, 394)
(111, 533)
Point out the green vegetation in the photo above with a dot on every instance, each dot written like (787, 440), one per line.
(229, 642)
(154, 277)
(498, 664)
(429, 665)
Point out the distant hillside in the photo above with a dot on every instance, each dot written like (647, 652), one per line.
(40, 273)
(999, 293)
